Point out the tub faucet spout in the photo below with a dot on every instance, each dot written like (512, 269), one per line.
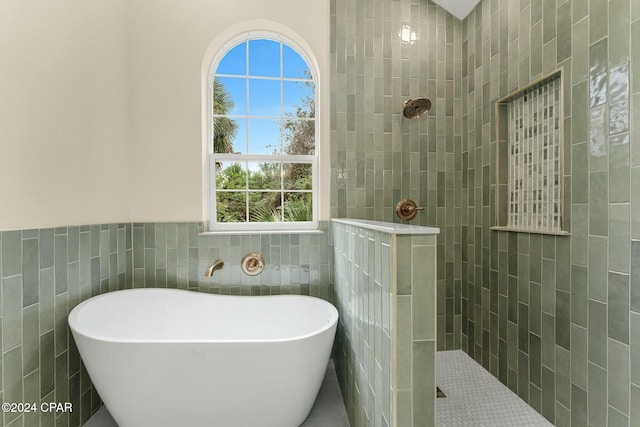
(217, 265)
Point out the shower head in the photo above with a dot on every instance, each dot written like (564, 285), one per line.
(414, 108)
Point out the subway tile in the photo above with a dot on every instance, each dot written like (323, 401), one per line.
(598, 15)
(619, 98)
(11, 312)
(619, 168)
(634, 206)
(563, 266)
(635, 10)
(564, 31)
(597, 333)
(47, 299)
(563, 376)
(579, 292)
(580, 117)
(405, 409)
(30, 271)
(73, 242)
(618, 375)
(634, 339)
(597, 396)
(619, 31)
(47, 363)
(598, 65)
(12, 378)
(11, 253)
(60, 263)
(617, 418)
(598, 267)
(635, 54)
(423, 379)
(634, 415)
(580, 173)
(30, 339)
(548, 394)
(598, 130)
(423, 292)
(635, 276)
(563, 319)
(61, 327)
(31, 393)
(403, 349)
(549, 20)
(599, 204)
(618, 307)
(579, 406)
(619, 244)
(635, 120)
(579, 354)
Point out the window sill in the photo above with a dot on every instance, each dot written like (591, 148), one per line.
(258, 232)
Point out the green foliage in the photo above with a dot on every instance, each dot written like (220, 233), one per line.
(224, 128)
(295, 210)
(299, 130)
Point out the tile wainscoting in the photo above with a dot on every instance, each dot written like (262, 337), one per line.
(46, 272)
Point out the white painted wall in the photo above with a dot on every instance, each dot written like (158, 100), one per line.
(100, 104)
(64, 154)
(169, 42)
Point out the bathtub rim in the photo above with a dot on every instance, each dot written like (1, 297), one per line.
(73, 321)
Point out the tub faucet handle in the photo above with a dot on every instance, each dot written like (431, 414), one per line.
(252, 264)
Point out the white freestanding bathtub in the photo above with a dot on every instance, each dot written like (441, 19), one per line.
(167, 357)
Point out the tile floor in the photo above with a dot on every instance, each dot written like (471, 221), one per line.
(328, 410)
(475, 398)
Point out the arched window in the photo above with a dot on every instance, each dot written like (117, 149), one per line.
(262, 136)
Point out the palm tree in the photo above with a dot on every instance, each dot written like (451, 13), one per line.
(224, 128)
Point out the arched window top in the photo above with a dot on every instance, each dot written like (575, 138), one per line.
(243, 54)
(262, 135)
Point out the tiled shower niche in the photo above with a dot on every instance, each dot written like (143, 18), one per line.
(529, 157)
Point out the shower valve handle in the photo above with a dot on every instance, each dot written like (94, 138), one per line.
(407, 209)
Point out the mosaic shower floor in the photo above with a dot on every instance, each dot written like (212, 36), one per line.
(475, 398)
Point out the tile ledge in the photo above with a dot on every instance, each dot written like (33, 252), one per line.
(389, 227)
(258, 232)
(530, 230)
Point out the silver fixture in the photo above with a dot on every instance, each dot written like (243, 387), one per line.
(252, 264)
(414, 108)
(217, 265)
(407, 209)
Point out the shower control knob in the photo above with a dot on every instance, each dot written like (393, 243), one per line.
(407, 209)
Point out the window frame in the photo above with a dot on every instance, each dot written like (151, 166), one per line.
(214, 158)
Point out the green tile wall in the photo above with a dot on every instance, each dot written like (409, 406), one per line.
(378, 157)
(553, 317)
(44, 274)
(384, 289)
(542, 313)
(175, 255)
